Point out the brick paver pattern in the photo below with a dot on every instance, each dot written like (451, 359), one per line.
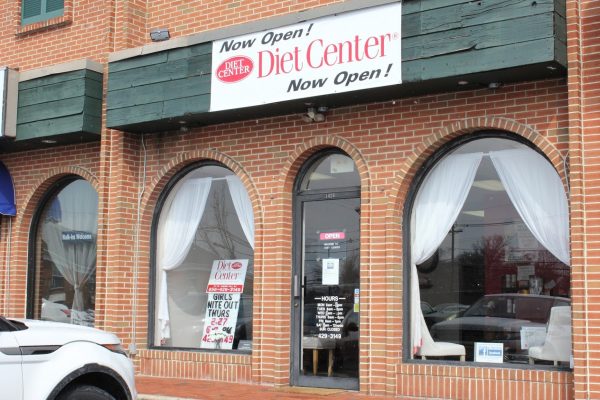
(208, 390)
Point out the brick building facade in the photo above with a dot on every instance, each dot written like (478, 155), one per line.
(389, 139)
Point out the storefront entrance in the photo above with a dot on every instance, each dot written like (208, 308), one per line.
(326, 284)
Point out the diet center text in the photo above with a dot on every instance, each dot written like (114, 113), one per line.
(317, 54)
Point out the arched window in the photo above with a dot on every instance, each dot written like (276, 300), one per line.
(204, 262)
(62, 282)
(330, 171)
(489, 251)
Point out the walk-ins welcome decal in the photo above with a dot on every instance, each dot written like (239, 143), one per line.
(340, 53)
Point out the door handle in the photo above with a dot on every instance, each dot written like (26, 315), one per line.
(296, 286)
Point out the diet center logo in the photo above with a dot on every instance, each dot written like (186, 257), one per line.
(236, 265)
(234, 69)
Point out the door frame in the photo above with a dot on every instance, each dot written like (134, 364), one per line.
(297, 295)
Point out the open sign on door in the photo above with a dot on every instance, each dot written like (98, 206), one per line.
(332, 235)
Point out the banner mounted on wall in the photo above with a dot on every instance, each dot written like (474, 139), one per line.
(334, 54)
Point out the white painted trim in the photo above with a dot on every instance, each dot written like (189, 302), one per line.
(8, 102)
(62, 68)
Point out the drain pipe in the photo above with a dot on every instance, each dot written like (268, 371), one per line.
(7, 264)
(136, 258)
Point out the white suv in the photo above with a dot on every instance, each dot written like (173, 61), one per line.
(55, 361)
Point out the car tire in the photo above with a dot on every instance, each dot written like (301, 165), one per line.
(85, 392)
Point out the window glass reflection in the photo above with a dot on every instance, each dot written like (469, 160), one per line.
(205, 232)
(331, 172)
(65, 273)
(491, 277)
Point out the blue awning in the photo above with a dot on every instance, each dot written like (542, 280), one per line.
(7, 193)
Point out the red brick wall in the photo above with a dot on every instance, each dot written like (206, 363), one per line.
(184, 18)
(583, 31)
(83, 32)
(88, 29)
(388, 141)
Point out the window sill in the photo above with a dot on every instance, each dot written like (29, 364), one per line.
(233, 352)
(51, 23)
(204, 355)
(485, 365)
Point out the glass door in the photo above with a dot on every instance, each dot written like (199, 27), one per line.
(326, 302)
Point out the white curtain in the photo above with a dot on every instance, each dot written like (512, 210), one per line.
(536, 191)
(78, 206)
(75, 258)
(438, 202)
(177, 228)
(243, 206)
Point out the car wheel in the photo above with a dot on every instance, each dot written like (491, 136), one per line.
(85, 392)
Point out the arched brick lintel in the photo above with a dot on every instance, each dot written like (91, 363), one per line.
(33, 198)
(434, 141)
(183, 159)
(303, 151)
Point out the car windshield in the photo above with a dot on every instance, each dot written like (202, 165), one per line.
(530, 308)
(11, 325)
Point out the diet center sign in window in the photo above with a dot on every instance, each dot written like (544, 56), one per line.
(224, 288)
(340, 53)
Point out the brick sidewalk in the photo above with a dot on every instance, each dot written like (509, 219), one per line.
(151, 388)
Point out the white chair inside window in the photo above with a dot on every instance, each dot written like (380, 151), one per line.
(430, 348)
(557, 346)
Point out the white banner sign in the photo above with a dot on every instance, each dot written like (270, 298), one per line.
(225, 285)
(334, 54)
(220, 320)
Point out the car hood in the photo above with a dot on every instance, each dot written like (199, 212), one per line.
(57, 334)
(483, 324)
(441, 314)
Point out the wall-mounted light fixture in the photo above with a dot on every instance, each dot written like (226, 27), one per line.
(159, 34)
(314, 114)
